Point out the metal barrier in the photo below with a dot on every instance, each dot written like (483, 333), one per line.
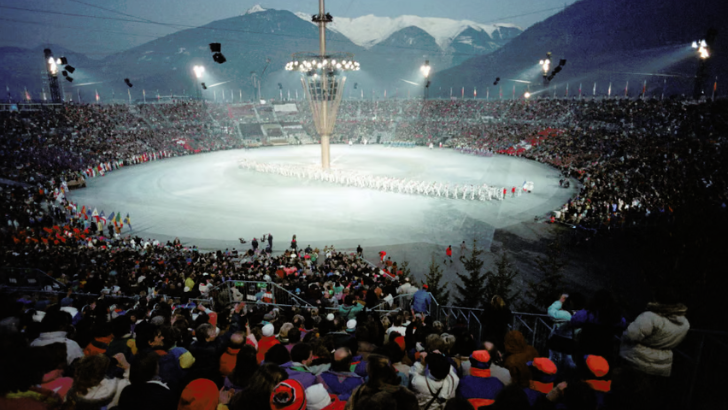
(698, 370)
(232, 291)
(535, 327)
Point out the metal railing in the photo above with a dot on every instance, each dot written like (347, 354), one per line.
(232, 291)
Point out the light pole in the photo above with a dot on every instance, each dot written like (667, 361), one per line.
(703, 53)
(323, 81)
(199, 71)
(545, 66)
(425, 70)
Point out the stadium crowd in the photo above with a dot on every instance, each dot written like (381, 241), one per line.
(166, 332)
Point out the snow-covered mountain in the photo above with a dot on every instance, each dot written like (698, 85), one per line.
(370, 30)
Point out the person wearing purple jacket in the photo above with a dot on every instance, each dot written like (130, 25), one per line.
(297, 368)
(599, 323)
(340, 380)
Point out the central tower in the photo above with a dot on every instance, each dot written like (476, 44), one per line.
(323, 82)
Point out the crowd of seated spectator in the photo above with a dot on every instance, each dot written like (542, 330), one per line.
(144, 344)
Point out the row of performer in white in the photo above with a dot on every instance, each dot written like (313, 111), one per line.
(471, 192)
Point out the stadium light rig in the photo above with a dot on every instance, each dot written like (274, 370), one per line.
(527, 95)
(313, 64)
(702, 47)
(425, 69)
(199, 70)
(545, 64)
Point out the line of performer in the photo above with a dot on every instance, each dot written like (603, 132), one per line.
(470, 192)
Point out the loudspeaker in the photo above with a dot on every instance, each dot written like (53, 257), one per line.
(70, 80)
(64, 61)
(64, 73)
(70, 69)
(204, 87)
(215, 47)
(219, 58)
(126, 80)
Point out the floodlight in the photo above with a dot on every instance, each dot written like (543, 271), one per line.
(425, 69)
(198, 70)
(527, 95)
(695, 45)
(52, 67)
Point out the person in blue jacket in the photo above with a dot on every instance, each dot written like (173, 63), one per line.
(421, 300)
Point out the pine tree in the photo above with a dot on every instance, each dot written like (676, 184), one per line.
(541, 293)
(472, 290)
(433, 278)
(501, 281)
(406, 271)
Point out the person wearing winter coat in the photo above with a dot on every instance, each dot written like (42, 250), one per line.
(339, 379)
(648, 341)
(146, 391)
(421, 300)
(518, 353)
(433, 381)
(382, 387)
(479, 388)
(54, 324)
(92, 390)
(350, 308)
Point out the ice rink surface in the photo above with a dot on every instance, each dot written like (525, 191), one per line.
(208, 201)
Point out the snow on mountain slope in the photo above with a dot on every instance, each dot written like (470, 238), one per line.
(367, 31)
(255, 9)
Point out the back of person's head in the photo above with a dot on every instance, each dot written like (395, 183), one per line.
(512, 397)
(380, 371)
(604, 306)
(301, 352)
(120, 327)
(458, 403)
(342, 360)
(55, 321)
(204, 332)
(257, 394)
(246, 363)
(398, 320)
(294, 336)
(144, 368)
(20, 370)
(277, 354)
(349, 300)
(497, 302)
(145, 334)
(438, 366)
(434, 342)
(90, 371)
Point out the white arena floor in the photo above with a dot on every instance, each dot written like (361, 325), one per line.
(208, 201)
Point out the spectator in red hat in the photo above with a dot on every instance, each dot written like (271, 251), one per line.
(201, 394)
(543, 375)
(288, 395)
(595, 373)
(479, 388)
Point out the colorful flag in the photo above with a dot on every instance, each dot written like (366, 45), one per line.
(487, 93)
(609, 91)
(95, 215)
(118, 217)
(626, 88)
(27, 95)
(462, 93)
(127, 221)
(97, 95)
(644, 89)
(102, 217)
(111, 217)
(475, 92)
(83, 210)
(594, 91)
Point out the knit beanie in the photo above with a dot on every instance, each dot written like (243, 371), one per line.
(268, 330)
(200, 394)
(317, 397)
(288, 395)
